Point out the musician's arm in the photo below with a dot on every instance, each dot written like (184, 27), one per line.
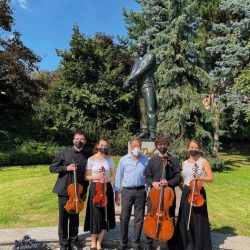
(112, 175)
(149, 175)
(57, 165)
(90, 177)
(209, 175)
(176, 180)
(118, 177)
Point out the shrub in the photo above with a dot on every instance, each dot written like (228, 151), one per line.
(30, 152)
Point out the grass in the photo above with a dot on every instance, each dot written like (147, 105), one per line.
(27, 200)
(228, 196)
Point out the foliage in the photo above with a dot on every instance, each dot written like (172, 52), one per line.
(230, 42)
(18, 90)
(17, 62)
(171, 28)
(30, 152)
(243, 86)
(86, 91)
(228, 50)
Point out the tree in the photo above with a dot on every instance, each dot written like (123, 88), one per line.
(87, 93)
(171, 30)
(228, 48)
(17, 88)
(17, 62)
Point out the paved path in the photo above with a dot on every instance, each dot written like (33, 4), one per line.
(49, 235)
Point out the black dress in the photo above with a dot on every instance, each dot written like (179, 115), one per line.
(198, 236)
(95, 216)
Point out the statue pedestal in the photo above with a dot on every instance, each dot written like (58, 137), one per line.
(147, 148)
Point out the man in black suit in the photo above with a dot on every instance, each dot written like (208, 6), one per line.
(68, 160)
(171, 179)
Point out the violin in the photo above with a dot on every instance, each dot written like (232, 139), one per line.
(195, 198)
(100, 199)
(158, 224)
(74, 204)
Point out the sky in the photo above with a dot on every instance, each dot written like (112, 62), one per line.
(47, 24)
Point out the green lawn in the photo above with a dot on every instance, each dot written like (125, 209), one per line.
(26, 199)
(229, 195)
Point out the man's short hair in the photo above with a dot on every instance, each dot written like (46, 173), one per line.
(135, 139)
(162, 139)
(79, 133)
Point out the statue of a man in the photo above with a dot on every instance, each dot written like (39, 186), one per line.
(143, 74)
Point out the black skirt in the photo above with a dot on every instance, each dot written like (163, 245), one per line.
(198, 237)
(95, 216)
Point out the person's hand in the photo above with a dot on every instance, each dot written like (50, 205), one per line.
(71, 167)
(196, 176)
(117, 199)
(164, 182)
(100, 175)
(156, 185)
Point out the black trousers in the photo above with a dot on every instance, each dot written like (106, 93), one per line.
(130, 197)
(68, 224)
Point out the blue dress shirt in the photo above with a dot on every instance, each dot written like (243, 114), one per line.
(130, 173)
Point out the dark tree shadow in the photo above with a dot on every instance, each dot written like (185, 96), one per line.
(220, 235)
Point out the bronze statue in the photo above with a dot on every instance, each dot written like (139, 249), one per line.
(143, 74)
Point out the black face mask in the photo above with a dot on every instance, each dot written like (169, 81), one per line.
(103, 151)
(79, 144)
(163, 150)
(194, 153)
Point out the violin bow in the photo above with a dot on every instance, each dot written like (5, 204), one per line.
(105, 208)
(190, 209)
(76, 195)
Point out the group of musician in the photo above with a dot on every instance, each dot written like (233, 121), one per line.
(135, 179)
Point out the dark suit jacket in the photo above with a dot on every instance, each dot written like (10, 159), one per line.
(65, 178)
(173, 175)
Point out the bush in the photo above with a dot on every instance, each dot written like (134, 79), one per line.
(30, 152)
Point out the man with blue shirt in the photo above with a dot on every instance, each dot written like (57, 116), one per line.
(131, 175)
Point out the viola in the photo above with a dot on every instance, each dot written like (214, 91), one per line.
(158, 224)
(74, 204)
(195, 198)
(100, 199)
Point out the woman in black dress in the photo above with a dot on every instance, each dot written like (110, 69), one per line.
(99, 219)
(193, 228)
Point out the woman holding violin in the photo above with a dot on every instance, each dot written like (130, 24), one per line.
(100, 214)
(162, 176)
(193, 224)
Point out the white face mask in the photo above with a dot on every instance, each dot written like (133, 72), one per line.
(136, 152)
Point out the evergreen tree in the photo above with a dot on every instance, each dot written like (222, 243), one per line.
(171, 28)
(230, 42)
(229, 52)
